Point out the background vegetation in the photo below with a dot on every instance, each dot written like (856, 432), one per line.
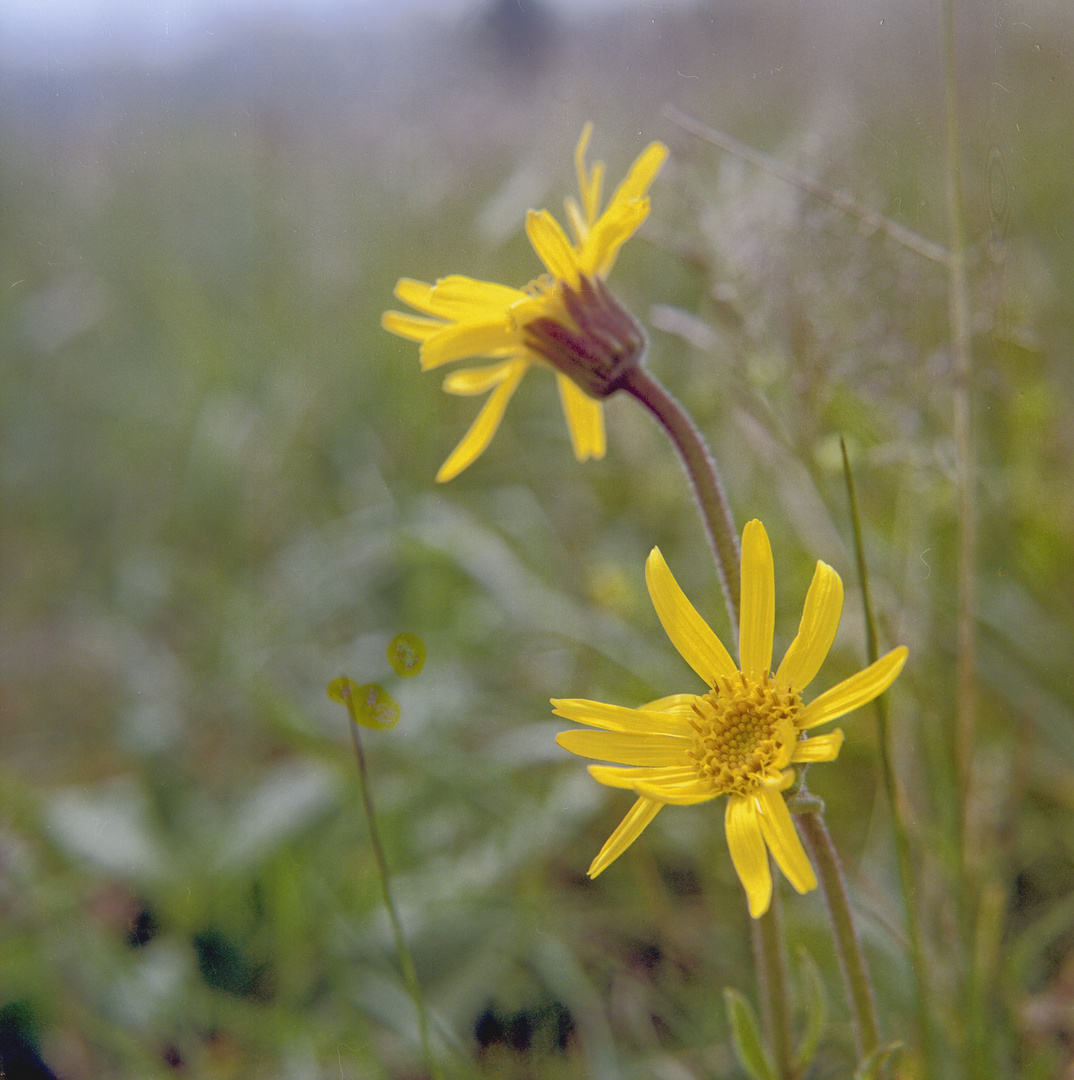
(216, 496)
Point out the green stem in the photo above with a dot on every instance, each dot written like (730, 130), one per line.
(768, 955)
(701, 469)
(847, 946)
(406, 962)
(896, 804)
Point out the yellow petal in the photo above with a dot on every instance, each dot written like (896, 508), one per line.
(459, 297)
(628, 830)
(854, 692)
(689, 633)
(413, 327)
(585, 419)
(779, 834)
(619, 718)
(758, 601)
(686, 791)
(820, 621)
(552, 246)
(641, 174)
(746, 844)
(469, 382)
(819, 748)
(457, 341)
(484, 427)
(576, 221)
(652, 751)
(660, 779)
(415, 293)
(589, 183)
(611, 231)
(681, 705)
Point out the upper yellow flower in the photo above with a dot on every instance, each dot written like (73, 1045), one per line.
(740, 737)
(463, 317)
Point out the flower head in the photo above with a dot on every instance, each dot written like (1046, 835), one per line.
(462, 317)
(743, 735)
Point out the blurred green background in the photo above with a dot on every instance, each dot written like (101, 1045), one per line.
(216, 495)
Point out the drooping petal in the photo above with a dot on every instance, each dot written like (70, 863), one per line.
(484, 427)
(469, 382)
(413, 327)
(552, 246)
(458, 341)
(652, 751)
(461, 297)
(779, 834)
(758, 602)
(669, 777)
(689, 633)
(746, 844)
(854, 692)
(619, 718)
(816, 632)
(678, 792)
(585, 419)
(819, 748)
(627, 831)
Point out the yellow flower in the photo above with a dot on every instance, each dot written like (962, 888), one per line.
(462, 317)
(740, 737)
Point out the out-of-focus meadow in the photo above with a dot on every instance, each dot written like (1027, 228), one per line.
(216, 495)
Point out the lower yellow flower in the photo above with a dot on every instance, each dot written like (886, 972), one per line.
(742, 736)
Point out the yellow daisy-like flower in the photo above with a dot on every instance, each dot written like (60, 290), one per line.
(742, 736)
(462, 317)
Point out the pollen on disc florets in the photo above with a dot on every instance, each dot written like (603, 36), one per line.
(745, 732)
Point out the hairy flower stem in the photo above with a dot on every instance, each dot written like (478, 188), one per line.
(406, 962)
(825, 859)
(700, 467)
(769, 957)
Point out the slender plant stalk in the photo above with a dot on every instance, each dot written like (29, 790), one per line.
(896, 800)
(406, 962)
(704, 477)
(847, 946)
(966, 643)
(769, 956)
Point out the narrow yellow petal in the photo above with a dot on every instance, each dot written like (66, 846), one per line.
(820, 621)
(650, 720)
(459, 297)
(758, 602)
(412, 327)
(457, 341)
(677, 792)
(642, 173)
(819, 748)
(552, 246)
(854, 692)
(415, 293)
(585, 419)
(484, 427)
(628, 830)
(576, 221)
(651, 751)
(681, 705)
(779, 834)
(689, 633)
(661, 779)
(589, 183)
(610, 232)
(746, 844)
(469, 382)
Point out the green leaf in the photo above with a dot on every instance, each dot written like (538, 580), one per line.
(870, 1068)
(746, 1037)
(815, 999)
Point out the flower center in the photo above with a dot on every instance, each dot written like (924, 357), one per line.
(745, 732)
